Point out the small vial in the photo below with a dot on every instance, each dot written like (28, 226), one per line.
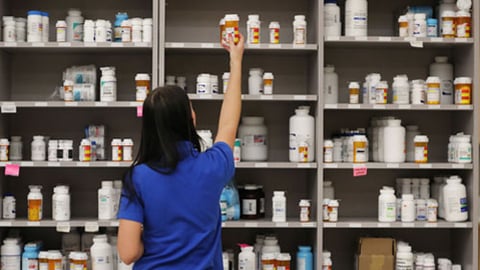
(127, 150)
(432, 27)
(328, 151)
(421, 149)
(268, 83)
(448, 24)
(354, 92)
(333, 210)
(85, 150)
(274, 28)
(403, 26)
(117, 150)
(237, 152)
(305, 210)
(4, 147)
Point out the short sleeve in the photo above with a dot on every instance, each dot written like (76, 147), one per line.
(220, 155)
(130, 209)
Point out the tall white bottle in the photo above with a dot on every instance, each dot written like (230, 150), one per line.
(101, 253)
(356, 18)
(302, 134)
(330, 85)
(394, 142)
(279, 207)
(246, 259)
(455, 200)
(444, 70)
(332, 24)
(106, 201)
(387, 205)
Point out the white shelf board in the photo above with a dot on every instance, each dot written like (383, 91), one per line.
(211, 46)
(268, 224)
(409, 107)
(256, 97)
(62, 104)
(374, 165)
(396, 41)
(65, 46)
(373, 223)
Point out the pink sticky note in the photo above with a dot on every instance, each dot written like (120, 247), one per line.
(360, 170)
(12, 169)
(140, 111)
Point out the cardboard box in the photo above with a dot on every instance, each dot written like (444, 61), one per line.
(376, 254)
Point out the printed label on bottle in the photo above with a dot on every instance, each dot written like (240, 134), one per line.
(254, 140)
(201, 88)
(254, 35)
(142, 92)
(433, 96)
(109, 89)
(77, 31)
(300, 35)
(10, 262)
(274, 35)
(301, 264)
(448, 27)
(325, 213)
(32, 264)
(34, 210)
(249, 207)
(327, 267)
(101, 260)
(74, 266)
(262, 205)
(359, 20)
(463, 205)
(304, 214)
(421, 154)
(43, 266)
(9, 208)
(223, 207)
(268, 267)
(463, 30)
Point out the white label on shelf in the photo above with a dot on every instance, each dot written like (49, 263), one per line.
(6, 224)
(307, 224)
(332, 38)
(40, 104)
(329, 225)
(53, 164)
(300, 97)
(224, 224)
(434, 107)
(354, 106)
(101, 104)
(10, 44)
(33, 223)
(461, 40)
(355, 225)
(266, 97)
(140, 44)
(464, 107)
(425, 166)
(114, 224)
(281, 224)
(135, 104)
(384, 225)
(405, 107)
(361, 38)
(91, 226)
(304, 165)
(410, 39)
(408, 224)
(71, 104)
(113, 164)
(40, 44)
(9, 107)
(116, 44)
(205, 96)
(458, 166)
(460, 225)
(251, 224)
(331, 106)
(385, 38)
(416, 44)
(83, 164)
(177, 45)
(253, 46)
(64, 44)
(63, 227)
(431, 225)
(90, 44)
(436, 39)
(261, 165)
(330, 165)
(299, 46)
(379, 107)
(27, 163)
(207, 45)
(393, 165)
(274, 46)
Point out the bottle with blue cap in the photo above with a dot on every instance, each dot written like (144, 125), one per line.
(34, 26)
(304, 258)
(30, 256)
(120, 17)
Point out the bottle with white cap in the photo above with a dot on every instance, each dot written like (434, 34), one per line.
(455, 200)
(408, 208)
(106, 201)
(102, 253)
(279, 206)
(253, 29)
(246, 258)
(299, 30)
(330, 86)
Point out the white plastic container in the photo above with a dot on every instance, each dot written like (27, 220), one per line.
(34, 26)
(61, 203)
(38, 148)
(268, 83)
(333, 206)
(214, 84)
(433, 90)
(418, 94)
(127, 31)
(420, 29)
(421, 210)
(356, 18)
(299, 30)
(74, 25)
(127, 149)
(331, 20)
(328, 151)
(11, 254)
(225, 78)
(444, 70)
(108, 85)
(412, 131)
(61, 27)
(387, 206)
(100, 31)
(455, 200)
(394, 141)
(302, 132)
(327, 260)
(9, 207)
(408, 208)
(328, 190)
(255, 81)
(35, 203)
(404, 258)
(254, 136)
(305, 210)
(372, 81)
(432, 210)
(330, 86)
(147, 30)
(117, 187)
(89, 31)
(204, 84)
(253, 29)
(85, 150)
(117, 150)
(247, 258)
(401, 90)
(45, 27)
(137, 29)
(445, 5)
(274, 28)
(102, 253)
(279, 207)
(106, 201)
(20, 29)
(9, 34)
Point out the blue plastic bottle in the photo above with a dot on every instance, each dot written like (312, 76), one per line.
(304, 258)
(223, 205)
(121, 16)
(30, 257)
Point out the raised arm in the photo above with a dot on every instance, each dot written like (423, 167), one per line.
(232, 103)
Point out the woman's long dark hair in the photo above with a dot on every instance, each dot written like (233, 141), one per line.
(167, 120)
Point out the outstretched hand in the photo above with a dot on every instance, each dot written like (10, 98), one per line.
(235, 50)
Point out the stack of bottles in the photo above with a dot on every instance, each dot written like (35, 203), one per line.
(180, 81)
(230, 203)
(260, 82)
(229, 26)
(109, 196)
(348, 146)
(407, 259)
(330, 205)
(415, 202)
(355, 21)
(14, 29)
(207, 84)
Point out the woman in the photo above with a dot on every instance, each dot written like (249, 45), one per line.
(169, 212)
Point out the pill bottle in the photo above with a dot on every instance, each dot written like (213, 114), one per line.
(432, 210)
(106, 201)
(78, 260)
(43, 260)
(354, 92)
(448, 24)
(170, 80)
(214, 84)
(403, 26)
(20, 29)
(255, 81)
(325, 203)
(432, 27)
(331, 22)
(268, 261)
(204, 84)
(274, 28)
(408, 208)
(401, 90)
(464, 24)
(253, 29)
(387, 205)
(225, 78)
(305, 210)
(223, 34)
(261, 195)
(61, 31)
(127, 31)
(101, 31)
(11, 254)
(4, 149)
(268, 83)
(117, 150)
(418, 94)
(333, 210)
(420, 29)
(304, 258)
(356, 18)
(108, 26)
(299, 30)
(9, 206)
(463, 90)
(55, 260)
(16, 148)
(254, 135)
(67, 150)
(231, 27)
(137, 29)
(463, 149)
(9, 31)
(421, 210)
(360, 149)
(74, 25)
(68, 90)
(38, 148)
(328, 151)
(455, 200)
(433, 90)
(85, 150)
(421, 149)
(108, 85)
(237, 150)
(89, 31)
(127, 149)
(34, 26)
(250, 201)
(147, 30)
(327, 261)
(61, 203)
(142, 85)
(279, 206)
(381, 92)
(45, 27)
(119, 18)
(182, 82)
(35, 203)
(283, 261)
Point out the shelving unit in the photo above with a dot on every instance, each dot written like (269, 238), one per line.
(185, 44)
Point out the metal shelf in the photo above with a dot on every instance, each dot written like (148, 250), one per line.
(268, 224)
(392, 107)
(373, 223)
(210, 46)
(373, 42)
(73, 46)
(257, 97)
(440, 165)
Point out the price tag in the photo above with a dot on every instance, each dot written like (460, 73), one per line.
(33, 223)
(307, 224)
(464, 107)
(300, 97)
(12, 170)
(9, 107)
(27, 163)
(384, 225)
(405, 107)
(266, 97)
(71, 104)
(10, 44)
(91, 226)
(90, 44)
(330, 165)
(436, 39)
(261, 165)
(116, 44)
(253, 46)
(361, 38)
(40, 44)
(416, 44)
(458, 166)
(177, 45)
(408, 225)
(140, 44)
(425, 166)
(135, 104)
(393, 165)
(64, 44)
(205, 96)
(354, 106)
(329, 224)
(40, 104)
(385, 39)
(431, 225)
(113, 164)
(207, 45)
(335, 38)
(274, 46)
(355, 225)
(101, 104)
(63, 227)
(433, 107)
(140, 111)
(53, 164)
(304, 165)
(461, 40)
(281, 224)
(299, 46)
(360, 170)
(83, 164)
(379, 107)
(6, 224)
(460, 225)
(251, 224)
(331, 106)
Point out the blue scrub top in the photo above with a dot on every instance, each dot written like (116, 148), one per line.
(180, 211)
